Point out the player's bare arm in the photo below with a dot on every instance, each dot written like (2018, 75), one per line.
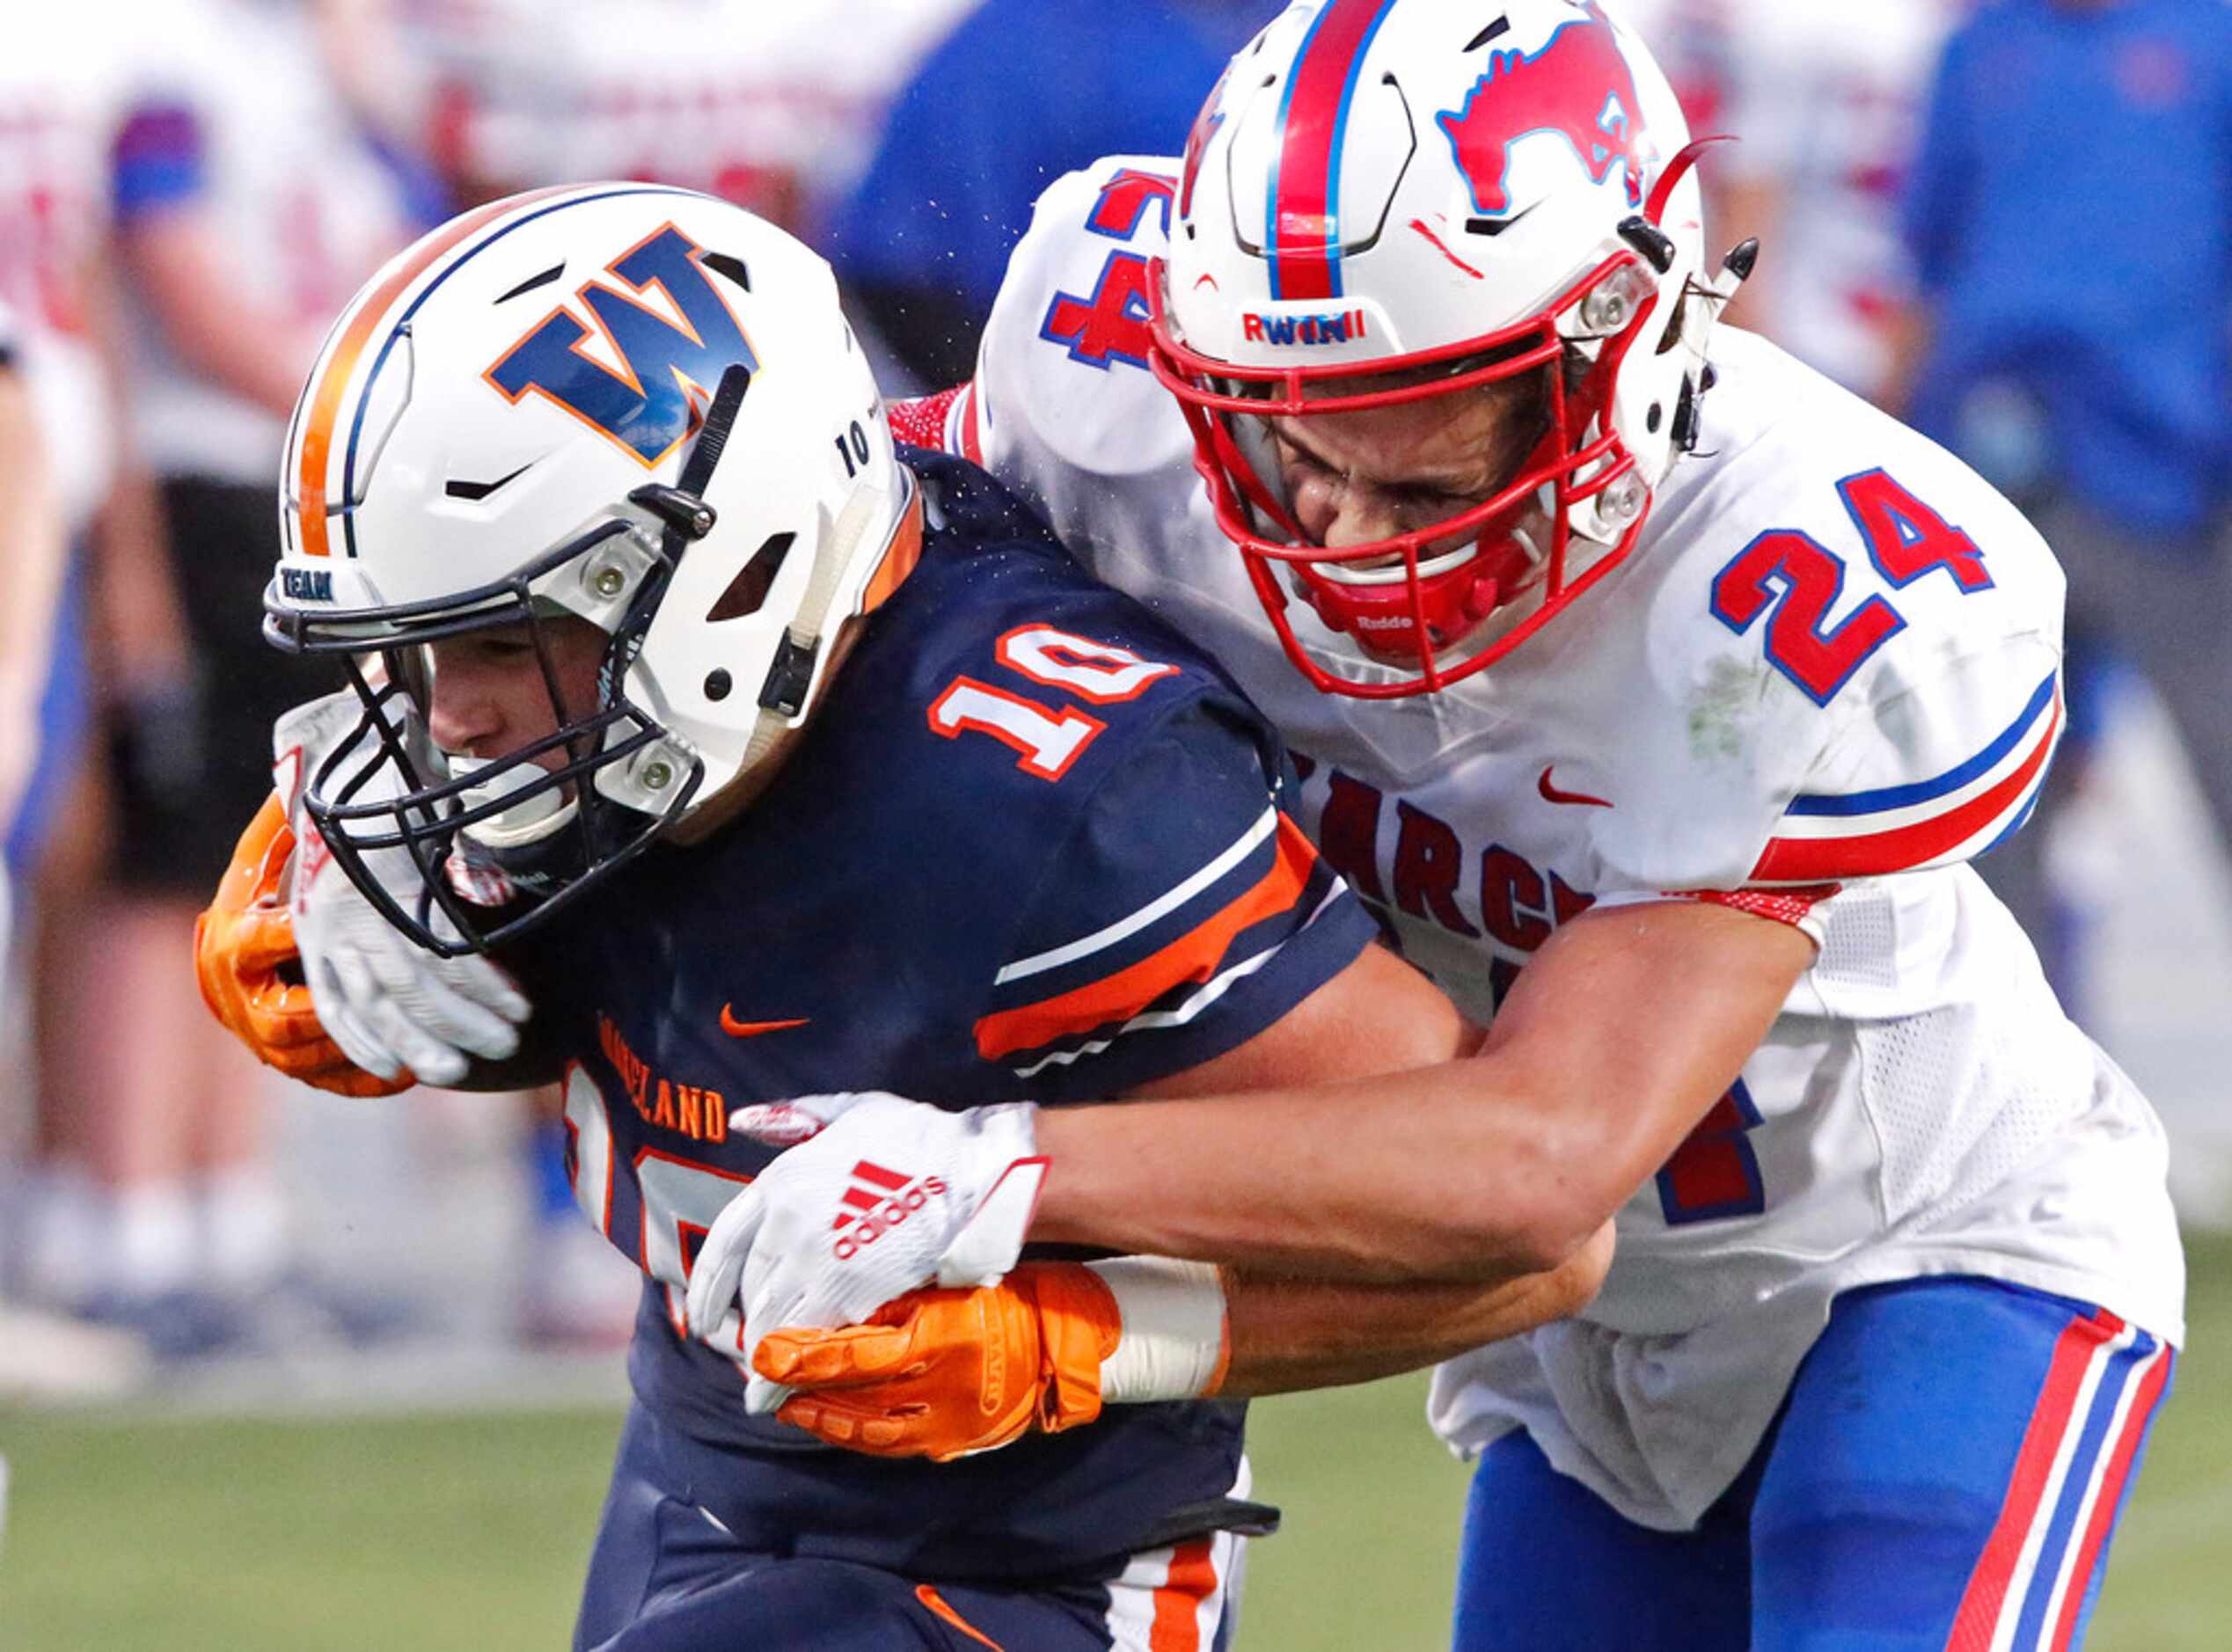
(1379, 1023)
(1487, 1167)
(1511, 1159)
(943, 1374)
(179, 260)
(1289, 1334)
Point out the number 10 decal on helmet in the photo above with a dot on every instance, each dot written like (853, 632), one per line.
(1435, 310)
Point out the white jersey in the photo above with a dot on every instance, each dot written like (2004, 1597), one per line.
(1827, 676)
(295, 194)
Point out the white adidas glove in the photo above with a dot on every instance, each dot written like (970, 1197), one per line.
(878, 1196)
(388, 1003)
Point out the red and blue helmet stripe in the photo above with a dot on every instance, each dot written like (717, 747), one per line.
(1302, 208)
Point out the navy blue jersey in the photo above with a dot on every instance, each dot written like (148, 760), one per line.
(1035, 846)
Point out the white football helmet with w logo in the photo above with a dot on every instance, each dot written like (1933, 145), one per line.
(632, 405)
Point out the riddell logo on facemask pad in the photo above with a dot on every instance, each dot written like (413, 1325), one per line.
(1335, 329)
(879, 1200)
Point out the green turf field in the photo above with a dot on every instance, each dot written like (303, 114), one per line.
(433, 1533)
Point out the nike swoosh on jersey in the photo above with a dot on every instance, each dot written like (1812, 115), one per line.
(735, 1029)
(1551, 793)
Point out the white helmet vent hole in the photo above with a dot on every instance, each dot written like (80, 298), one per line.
(1502, 26)
(748, 591)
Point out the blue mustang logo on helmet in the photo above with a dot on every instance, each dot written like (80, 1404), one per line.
(669, 373)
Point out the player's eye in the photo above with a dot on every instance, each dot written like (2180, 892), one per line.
(504, 650)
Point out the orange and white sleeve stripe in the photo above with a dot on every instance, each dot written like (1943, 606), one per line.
(1165, 963)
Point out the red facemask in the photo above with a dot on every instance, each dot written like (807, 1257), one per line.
(1455, 574)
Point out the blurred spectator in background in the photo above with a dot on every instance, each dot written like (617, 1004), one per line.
(771, 107)
(1693, 42)
(56, 461)
(1020, 93)
(1826, 116)
(2070, 217)
(39, 1354)
(61, 94)
(248, 201)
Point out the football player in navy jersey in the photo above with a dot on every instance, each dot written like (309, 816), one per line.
(772, 759)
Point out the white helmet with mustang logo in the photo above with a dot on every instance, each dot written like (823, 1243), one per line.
(1385, 203)
(632, 405)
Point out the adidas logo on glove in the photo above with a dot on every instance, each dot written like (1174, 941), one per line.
(878, 1201)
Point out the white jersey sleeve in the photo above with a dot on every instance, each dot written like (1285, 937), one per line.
(1063, 402)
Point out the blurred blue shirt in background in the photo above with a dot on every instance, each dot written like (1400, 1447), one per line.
(2070, 215)
(1022, 92)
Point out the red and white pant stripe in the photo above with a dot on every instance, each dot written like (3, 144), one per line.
(2029, 1586)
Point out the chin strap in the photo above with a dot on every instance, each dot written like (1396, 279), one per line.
(790, 679)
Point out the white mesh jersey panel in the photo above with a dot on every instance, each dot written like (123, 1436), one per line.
(1954, 1107)
(1860, 945)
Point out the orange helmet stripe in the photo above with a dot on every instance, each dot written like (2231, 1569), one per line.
(325, 399)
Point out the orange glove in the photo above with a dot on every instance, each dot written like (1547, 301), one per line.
(241, 944)
(942, 1373)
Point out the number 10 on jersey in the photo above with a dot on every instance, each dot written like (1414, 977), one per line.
(1047, 741)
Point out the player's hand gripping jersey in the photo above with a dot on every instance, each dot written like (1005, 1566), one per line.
(1827, 678)
(1036, 846)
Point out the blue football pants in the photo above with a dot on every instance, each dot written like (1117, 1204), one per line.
(1953, 1455)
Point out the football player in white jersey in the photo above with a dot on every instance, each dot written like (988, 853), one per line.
(1426, 303)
